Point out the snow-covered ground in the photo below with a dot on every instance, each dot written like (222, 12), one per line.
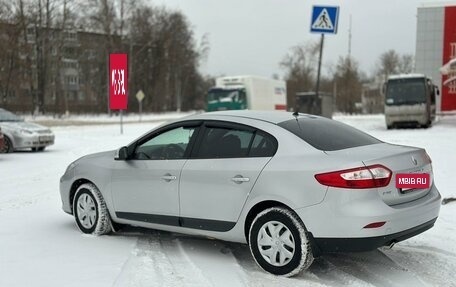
(40, 245)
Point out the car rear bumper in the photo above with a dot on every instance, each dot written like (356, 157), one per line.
(340, 221)
(325, 245)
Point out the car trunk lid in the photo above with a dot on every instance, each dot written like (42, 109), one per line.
(399, 159)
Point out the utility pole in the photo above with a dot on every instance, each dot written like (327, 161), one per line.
(350, 37)
(317, 89)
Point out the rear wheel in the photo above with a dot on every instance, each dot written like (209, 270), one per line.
(8, 146)
(427, 125)
(279, 242)
(90, 210)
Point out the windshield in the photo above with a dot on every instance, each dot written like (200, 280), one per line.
(6, 116)
(406, 92)
(226, 95)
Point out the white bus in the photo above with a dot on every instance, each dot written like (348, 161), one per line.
(409, 100)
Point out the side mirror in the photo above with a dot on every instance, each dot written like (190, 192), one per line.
(437, 91)
(121, 154)
(383, 90)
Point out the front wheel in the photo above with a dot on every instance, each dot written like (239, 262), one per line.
(279, 242)
(8, 146)
(90, 211)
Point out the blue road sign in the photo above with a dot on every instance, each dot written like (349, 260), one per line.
(324, 19)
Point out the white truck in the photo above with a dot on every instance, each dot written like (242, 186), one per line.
(247, 92)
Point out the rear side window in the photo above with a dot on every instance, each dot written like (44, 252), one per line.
(263, 145)
(327, 135)
(227, 142)
(221, 142)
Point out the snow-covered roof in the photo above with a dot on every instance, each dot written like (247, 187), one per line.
(437, 4)
(407, 76)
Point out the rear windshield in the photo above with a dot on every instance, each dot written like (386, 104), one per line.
(327, 135)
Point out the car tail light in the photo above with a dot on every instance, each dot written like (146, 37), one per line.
(361, 177)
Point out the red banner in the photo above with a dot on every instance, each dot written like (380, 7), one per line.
(118, 81)
(449, 52)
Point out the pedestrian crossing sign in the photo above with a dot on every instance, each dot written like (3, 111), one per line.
(324, 19)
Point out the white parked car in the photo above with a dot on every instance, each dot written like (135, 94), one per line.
(19, 134)
(289, 185)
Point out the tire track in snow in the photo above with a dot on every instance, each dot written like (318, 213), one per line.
(374, 268)
(256, 277)
(156, 261)
(214, 260)
(167, 259)
(343, 269)
(431, 264)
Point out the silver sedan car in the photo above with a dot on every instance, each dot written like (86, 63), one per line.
(290, 185)
(19, 134)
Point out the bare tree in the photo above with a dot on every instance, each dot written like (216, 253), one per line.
(204, 49)
(61, 58)
(349, 87)
(9, 58)
(406, 64)
(166, 56)
(300, 66)
(388, 64)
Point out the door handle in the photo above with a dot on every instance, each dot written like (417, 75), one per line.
(168, 177)
(240, 179)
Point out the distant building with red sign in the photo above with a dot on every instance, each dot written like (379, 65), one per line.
(436, 46)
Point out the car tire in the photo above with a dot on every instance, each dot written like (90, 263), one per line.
(279, 242)
(90, 210)
(8, 146)
(427, 125)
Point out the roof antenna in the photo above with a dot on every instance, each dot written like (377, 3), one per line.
(296, 115)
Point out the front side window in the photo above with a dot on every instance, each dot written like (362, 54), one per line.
(221, 142)
(171, 144)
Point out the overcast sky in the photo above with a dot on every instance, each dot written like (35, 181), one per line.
(252, 36)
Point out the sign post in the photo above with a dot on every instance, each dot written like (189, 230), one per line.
(118, 84)
(140, 96)
(324, 21)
